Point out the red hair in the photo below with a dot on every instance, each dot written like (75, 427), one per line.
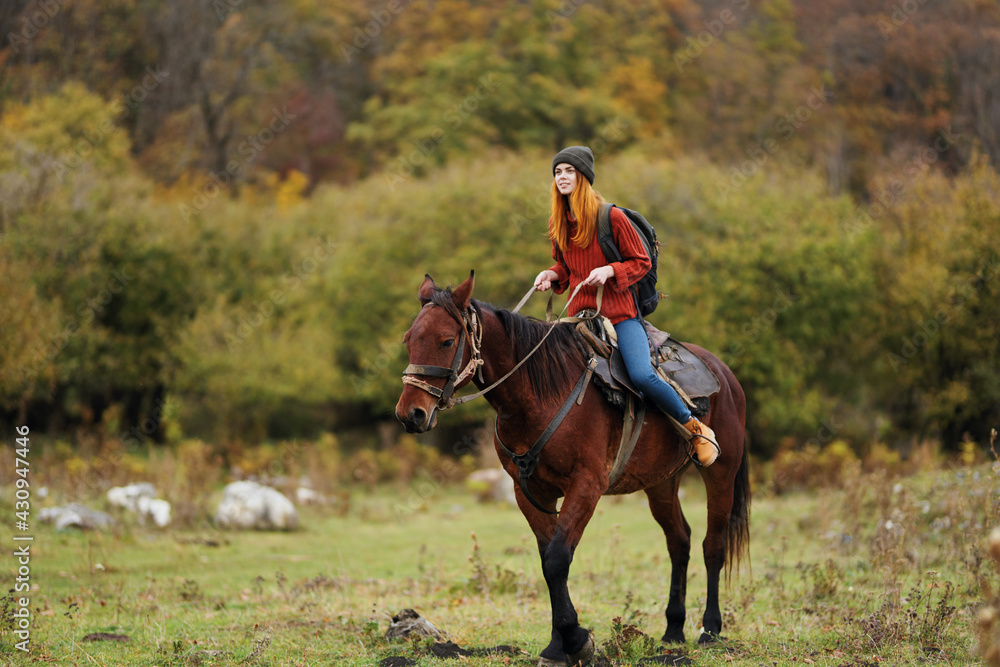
(584, 203)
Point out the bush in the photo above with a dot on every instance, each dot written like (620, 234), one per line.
(812, 466)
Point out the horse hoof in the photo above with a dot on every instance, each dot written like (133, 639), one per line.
(585, 655)
(710, 638)
(546, 662)
(673, 637)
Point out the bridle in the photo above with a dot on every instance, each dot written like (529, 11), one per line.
(472, 327)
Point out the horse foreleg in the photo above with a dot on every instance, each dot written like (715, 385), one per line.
(544, 527)
(557, 541)
(569, 640)
(666, 509)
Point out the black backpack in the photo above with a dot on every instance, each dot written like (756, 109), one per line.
(646, 295)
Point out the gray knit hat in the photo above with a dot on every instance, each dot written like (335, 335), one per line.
(578, 156)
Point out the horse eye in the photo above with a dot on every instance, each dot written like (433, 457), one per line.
(448, 343)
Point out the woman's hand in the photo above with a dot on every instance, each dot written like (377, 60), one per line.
(600, 275)
(543, 282)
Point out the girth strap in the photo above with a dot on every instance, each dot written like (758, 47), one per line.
(631, 428)
(527, 462)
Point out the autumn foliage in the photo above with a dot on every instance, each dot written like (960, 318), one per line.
(215, 214)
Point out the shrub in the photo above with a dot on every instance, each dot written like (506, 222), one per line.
(812, 467)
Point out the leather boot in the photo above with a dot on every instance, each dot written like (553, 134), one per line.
(705, 445)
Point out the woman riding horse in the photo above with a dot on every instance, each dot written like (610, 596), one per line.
(580, 260)
(560, 441)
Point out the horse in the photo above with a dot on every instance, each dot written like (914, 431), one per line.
(452, 327)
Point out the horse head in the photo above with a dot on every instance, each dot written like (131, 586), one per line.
(446, 332)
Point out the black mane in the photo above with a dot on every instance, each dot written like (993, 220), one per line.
(559, 361)
(443, 297)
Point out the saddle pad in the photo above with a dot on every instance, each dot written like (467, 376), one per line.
(688, 370)
(681, 364)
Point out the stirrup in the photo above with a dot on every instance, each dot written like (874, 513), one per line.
(688, 436)
(689, 441)
(693, 455)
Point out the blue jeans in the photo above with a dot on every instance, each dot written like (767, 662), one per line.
(634, 346)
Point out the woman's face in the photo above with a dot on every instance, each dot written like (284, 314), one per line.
(565, 176)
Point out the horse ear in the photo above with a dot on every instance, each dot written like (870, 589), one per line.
(426, 289)
(463, 293)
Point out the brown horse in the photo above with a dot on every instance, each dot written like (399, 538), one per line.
(452, 328)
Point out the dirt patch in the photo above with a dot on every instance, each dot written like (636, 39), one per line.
(396, 661)
(106, 637)
(450, 650)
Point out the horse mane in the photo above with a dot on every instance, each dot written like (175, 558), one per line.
(558, 362)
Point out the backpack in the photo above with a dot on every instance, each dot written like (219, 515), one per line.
(646, 295)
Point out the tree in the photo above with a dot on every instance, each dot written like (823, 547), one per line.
(107, 283)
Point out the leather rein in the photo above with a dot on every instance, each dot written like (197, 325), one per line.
(473, 329)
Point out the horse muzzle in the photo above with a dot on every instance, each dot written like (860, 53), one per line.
(417, 419)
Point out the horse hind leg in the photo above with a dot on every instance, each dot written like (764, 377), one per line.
(666, 509)
(727, 537)
(715, 546)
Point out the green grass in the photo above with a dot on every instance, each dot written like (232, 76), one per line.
(830, 584)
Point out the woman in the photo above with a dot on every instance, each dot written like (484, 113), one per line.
(580, 260)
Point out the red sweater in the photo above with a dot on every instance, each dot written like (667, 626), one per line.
(574, 264)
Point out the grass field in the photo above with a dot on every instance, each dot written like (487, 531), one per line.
(880, 571)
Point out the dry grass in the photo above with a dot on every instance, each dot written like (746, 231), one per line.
(887, 568)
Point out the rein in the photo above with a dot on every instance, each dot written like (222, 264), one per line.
(471, 323)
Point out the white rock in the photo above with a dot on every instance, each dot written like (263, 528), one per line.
(141, 498)
(127, 497)
(75, 515)
(155, 509)
(306, 496)
(248, 505)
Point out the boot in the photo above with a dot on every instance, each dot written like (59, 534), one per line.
(703, 440)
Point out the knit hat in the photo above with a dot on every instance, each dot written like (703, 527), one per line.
(578, 156)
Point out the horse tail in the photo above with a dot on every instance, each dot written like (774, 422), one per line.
(738, 529)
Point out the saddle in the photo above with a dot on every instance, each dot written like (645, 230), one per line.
(691, 377)
(693, 380)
